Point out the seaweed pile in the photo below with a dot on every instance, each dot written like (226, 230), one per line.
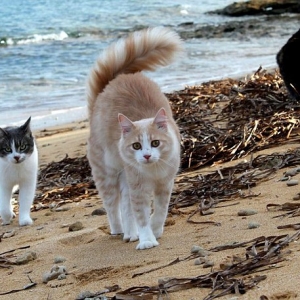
(219, 121)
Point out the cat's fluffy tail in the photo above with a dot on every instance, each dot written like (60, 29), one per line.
(141, 50)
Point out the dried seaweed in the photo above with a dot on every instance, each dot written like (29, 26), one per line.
(292, 208)
(5, 262)
(228, 119)
(264, 254)
(68, 179)
(219, 121)
(26, 287)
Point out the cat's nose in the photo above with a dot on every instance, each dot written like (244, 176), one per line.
(147, 156)
(16, 158)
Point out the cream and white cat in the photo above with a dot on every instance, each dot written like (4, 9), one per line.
(134, 143)
(18, 166)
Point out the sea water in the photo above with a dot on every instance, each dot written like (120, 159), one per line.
(47, 48)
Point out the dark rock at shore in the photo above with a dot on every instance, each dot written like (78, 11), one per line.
(263, 26)
(260, 7)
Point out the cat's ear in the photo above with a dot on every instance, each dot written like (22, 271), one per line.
(3, 132)
(161, 120)
(26, 126)
(125, 123)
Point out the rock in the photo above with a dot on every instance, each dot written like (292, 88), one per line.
(61, 277)
(26, 257)
(260, 7)
(196, 249)
(291, 172)
(253, 225)
(62, 208)
(208, 264)
(297, 197)
(292, 182)
(54, 273)
(9, 234)
(84, 295)
(247, 212)
(240, 30)
(59, 259)
(203, 253)
(99, 212)
(200, 251)
(76, 226)
(284, 178)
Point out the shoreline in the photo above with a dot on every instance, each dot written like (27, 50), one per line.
(61, 117)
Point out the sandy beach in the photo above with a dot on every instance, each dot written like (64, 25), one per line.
(96, 261)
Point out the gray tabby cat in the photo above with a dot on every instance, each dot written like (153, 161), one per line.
(18, 166)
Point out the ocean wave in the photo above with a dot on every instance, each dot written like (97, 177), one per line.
(36, 38)
(33, 39)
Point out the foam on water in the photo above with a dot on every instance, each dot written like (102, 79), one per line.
(47, 49)
(37, 38)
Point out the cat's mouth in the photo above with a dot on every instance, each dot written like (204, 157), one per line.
(17, 162)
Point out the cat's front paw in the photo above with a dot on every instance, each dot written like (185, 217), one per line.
(7, 218)
(25, 221)
(130, 237)
(5, 222)
(146, 245)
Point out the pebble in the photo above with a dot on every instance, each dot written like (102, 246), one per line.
(9, 234)
(284, 179)
(253, 225)
(247, 212)
(62, 208)
(84, 295)
(62, 276)
(291, 172)
(99, 212)
(203, 252)
(200, 260)
(59, 259)
(208, 264)
(26, 257)
(76, 226)
(297, 197)
(292, 182)
(54, 273)
(196, 249)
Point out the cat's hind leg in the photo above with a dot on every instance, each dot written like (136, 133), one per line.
(128, 220)
(109, 191)
(160, 208)
(6, 211)
(106, 179)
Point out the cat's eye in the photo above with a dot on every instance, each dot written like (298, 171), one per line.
(7, 149)
(23, 147)
(136, 146)
(155, 143)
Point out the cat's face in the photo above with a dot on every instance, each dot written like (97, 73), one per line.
(16, 143)
(145, 142)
